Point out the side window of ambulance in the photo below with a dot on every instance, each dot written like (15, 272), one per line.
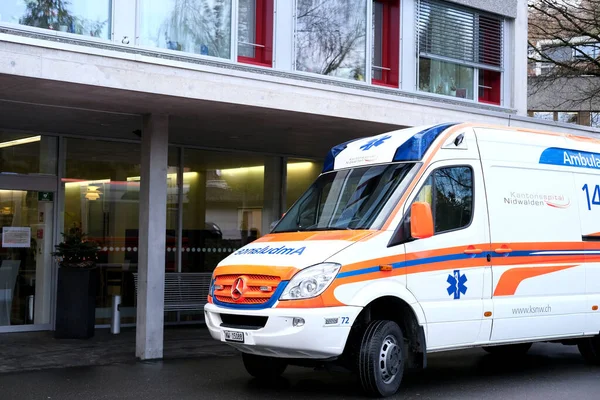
(449, 191)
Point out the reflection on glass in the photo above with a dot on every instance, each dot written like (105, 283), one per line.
(222, 206)
(172, 210)
(83, 17)
(344, 199)
(445, 78)
(568, 117)
(130, 261)
(595, 119)
(25, 258)
(102, 191)
(27, 154)
(101, 187)
(452, 189)
(546, 115)
(377, 40)
(453, 198)
(193, 26)
(330, 37)
(300, 175)
(247, 28)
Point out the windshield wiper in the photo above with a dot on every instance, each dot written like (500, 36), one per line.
(331, 228)
(323, 228)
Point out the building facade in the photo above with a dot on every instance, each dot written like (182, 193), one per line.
(566, 98)
(175, 131)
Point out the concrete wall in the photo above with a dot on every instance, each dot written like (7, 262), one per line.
(241, 86)
(284, 52)
(508, 8)
(144, 75)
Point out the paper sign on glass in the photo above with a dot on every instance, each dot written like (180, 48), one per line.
(13, 236)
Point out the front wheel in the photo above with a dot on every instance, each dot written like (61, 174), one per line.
(381, 358)
(590, 349)
(263, 368)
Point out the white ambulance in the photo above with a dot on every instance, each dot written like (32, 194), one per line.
(417, 241)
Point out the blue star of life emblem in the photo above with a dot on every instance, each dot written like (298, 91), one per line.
(374, 143)
(457, 284)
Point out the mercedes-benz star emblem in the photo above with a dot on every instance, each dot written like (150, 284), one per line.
(238, 288)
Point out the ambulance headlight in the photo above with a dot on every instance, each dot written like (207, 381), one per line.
(310, 282)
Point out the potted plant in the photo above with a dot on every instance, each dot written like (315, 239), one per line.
(76, 291)
(452, 87)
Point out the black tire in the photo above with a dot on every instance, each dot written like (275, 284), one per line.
(509, 350)
(381, 359)
(590, 350)
(264, 368)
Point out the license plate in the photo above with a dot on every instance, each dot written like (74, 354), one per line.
(234, 336)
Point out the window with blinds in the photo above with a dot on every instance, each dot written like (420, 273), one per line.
(453, 33)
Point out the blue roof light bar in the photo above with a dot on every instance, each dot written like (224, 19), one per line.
(415, 148)
(330, 159)
(412, 150)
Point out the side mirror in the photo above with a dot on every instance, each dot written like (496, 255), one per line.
(273, 225)
(421, 220)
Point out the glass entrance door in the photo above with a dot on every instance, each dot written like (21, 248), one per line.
(26, 265)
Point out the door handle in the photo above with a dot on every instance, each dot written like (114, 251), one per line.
(504, 249)
(473, 250)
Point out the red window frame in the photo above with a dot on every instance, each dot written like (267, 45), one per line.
(490, 47)
(490, 86)
(263, 53)
(390, 43)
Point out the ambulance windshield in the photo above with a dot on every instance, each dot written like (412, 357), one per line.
(345, 199)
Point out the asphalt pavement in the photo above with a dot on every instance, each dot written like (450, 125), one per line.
(548, 372)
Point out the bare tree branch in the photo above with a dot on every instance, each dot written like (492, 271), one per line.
(564, 43)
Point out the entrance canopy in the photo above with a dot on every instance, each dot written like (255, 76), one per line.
(37, 105)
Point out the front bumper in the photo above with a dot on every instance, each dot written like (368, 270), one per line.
(322, 336)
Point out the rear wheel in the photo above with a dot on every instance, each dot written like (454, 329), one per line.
(509, 350)
(590, 349)
(264, 368)
(381, 358)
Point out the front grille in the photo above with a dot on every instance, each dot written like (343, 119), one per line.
(243, 321)
(259, 288)
(224, 299)
(263, 278)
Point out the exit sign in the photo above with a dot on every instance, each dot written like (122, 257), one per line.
(45, 196)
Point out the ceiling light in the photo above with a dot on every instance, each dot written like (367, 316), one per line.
(20, 141)
(92, 193)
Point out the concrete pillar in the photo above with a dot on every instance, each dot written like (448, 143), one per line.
(151, 262)
(408, 34)
(283, 53)
(274, 192)
(519, 62)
